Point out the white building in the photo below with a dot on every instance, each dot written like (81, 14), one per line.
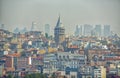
(60, 60)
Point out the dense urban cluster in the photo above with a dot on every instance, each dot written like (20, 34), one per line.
(87, 54)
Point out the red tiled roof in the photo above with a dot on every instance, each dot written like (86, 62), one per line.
(14, 55)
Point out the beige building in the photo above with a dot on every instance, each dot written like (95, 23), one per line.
(100, 72)
(118, 69)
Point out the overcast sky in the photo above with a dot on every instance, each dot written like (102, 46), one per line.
(21, 13)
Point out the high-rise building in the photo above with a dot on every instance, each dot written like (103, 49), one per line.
(106, 30)
(98, 30)
(34, 27)
(87, 29)
(2, 26)
(47, 29)
(78, 30)
(59, 32)
(24, 30)
(16, 30)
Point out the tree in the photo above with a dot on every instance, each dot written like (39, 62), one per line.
(35, 75)
(27, 76)
(9, 76)
(53, 75)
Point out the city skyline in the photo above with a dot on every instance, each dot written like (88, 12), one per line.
(22, 13)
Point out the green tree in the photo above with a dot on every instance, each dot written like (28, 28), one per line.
(9, 76)
(27, 76)
(35, 75)
(32, 75)
(53, 75)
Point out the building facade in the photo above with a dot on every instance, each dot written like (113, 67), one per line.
(100, 72)
(106, 30)
(78, 30)
(98, 30)
(61, 60)
(47, 29)
(87, 29)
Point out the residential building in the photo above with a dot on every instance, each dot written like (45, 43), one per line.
(85, 72)
(59, 61)
(118, 69)
(99, 72)
(9, 63)
(22, 63)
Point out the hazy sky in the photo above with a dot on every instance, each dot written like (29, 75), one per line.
(21, 13)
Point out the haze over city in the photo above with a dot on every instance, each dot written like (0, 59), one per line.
(21, 13)
(59, 39)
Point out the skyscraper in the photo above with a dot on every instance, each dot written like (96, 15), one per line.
(2, 26)
(32, 27)
(47, 29)
(106, 30)
(16, 30)
(59, 32)
(98, 30)
(78, 30)
(87, 29)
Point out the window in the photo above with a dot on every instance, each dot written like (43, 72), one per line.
(64, 57)
(68, 56)
(72, 76)
(59, 57)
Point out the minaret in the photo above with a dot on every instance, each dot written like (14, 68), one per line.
(32, 27)
(59, 32)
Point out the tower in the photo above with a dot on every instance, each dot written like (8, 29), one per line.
(59, 32)
(32, 27)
